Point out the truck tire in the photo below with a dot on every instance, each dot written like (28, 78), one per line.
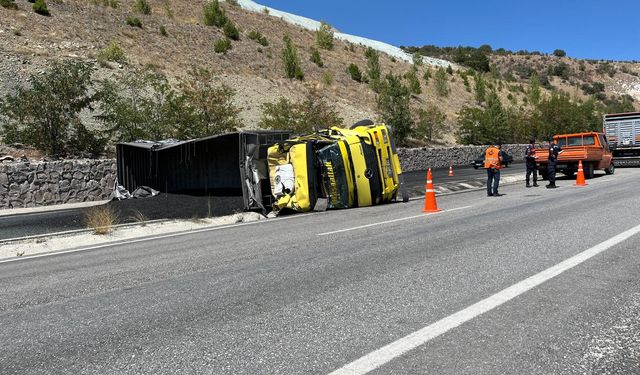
(611, 169)
(544, 175)
(568, 173)
(588, 170)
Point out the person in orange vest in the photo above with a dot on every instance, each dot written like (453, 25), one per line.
(493, 164)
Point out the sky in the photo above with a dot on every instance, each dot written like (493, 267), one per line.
(589, 29)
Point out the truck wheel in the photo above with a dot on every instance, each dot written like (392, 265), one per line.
(611, 169)
(568, 173)
(544, 175)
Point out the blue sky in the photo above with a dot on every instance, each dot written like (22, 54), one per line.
(603, 29)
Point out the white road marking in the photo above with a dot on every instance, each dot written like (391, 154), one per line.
(145, 239)
(397, 348)
(390, 221)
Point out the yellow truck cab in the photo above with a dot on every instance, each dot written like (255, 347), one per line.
(335, 168)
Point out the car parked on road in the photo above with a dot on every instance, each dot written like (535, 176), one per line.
(479, 161)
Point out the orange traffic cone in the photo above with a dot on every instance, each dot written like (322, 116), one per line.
(430, 196)
(580, 181)
(451, 170)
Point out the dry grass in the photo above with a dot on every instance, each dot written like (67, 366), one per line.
(101, 219)
(139, 218)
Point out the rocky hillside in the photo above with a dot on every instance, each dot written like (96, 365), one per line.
(173, 38)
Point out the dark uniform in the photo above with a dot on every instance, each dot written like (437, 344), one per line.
(530, 158)
(554, 150)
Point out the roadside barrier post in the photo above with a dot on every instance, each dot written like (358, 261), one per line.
(451, 169)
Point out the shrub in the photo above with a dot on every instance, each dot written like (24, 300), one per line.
(222, 45)
(134, 21)
(312, 113)
(231, 31)
(47, 114)
(316, 58)
(142, 6)
(426, 76)
(559, 53)
(163, 31)
(354, 72)
(112, 52)
(417, 59)
(40, 7)
(258, 37)
(9, 4)
(449, 70)
(290, 60)
(393, 107)
(101, 219)
(327, 79)
(214, 15)
(324, 36)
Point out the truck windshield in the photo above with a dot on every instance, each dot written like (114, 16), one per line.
(575, 141)
(562, 142)
(588, 140)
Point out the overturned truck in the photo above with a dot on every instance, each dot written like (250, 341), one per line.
(336, 168)
(270, 170)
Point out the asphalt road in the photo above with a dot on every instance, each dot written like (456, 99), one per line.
(310, 294)
(23, 225)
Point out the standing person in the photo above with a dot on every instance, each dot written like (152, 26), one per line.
(554, 151)
(493, 164)
(530, 157)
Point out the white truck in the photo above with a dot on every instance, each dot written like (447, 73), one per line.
(623, 133)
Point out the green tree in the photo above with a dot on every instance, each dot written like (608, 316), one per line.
(441, 84)
(480, 88)
(373, 68)
(290, 59)
(302, 117)
(393, 108)
(214, 15)
(430, 123)
(47, 114)
(324, 36)
(210, 105)
(534, 91)
(138, 104)
(414, 83)
(484, 125)
(559, 53)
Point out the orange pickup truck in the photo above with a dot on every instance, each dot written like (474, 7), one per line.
(590, 147)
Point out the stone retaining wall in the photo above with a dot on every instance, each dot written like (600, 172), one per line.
(47, 183)
(415, 159)
(70, 181)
